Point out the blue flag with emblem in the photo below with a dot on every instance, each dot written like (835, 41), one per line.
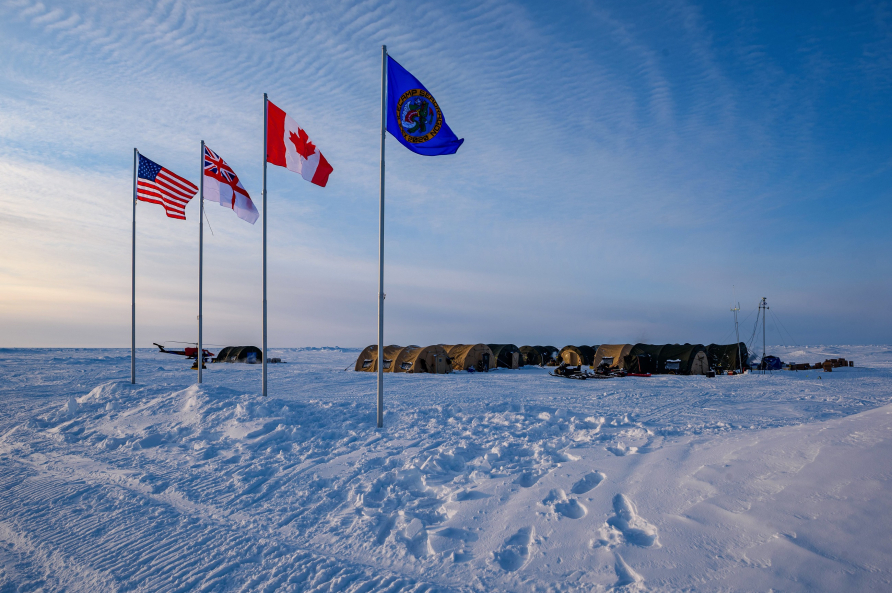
(414, 117)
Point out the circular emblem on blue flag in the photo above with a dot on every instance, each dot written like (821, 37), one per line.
(420, 116)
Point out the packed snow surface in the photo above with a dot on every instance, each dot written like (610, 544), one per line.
(509, 480)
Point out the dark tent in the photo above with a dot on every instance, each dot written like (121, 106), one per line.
(246, 354)
(727, 356)
(507, 356)
(550, 355)
(643, 358)
(531, 356)
(578, 355)
(683, 359)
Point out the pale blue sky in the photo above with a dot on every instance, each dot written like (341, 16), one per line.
(624, 165)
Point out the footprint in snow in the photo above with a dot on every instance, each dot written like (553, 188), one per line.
(516, 551)
(588, 482)
(620, 449)
(625, 576)
(471, 495)
(529, 479)
(626, 526)
(568, 507)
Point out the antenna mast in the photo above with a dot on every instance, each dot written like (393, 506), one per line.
(737, 333)
(764, 307)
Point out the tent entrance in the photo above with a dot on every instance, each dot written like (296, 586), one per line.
(440, 364)
(700, 365)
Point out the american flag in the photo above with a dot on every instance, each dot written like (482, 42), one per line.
(157, 185)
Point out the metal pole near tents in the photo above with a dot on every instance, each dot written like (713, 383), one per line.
(381, 243)
(133, 278)
(199, 361)
(265, 109)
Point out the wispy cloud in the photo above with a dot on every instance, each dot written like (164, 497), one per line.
(614, 154)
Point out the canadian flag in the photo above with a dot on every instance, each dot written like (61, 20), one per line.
(287, 145)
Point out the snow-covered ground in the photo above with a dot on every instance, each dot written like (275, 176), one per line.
(511, 480)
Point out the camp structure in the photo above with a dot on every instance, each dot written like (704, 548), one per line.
(507, 356)
(728, 357)
(550, 355)
(245, 354)
(368, 358)
(471, 356)
(643, 358)
(531, 356)
(683, 359)
(616, 353)
(417, 359)
(577, 355)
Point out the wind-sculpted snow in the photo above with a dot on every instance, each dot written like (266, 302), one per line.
(508, 480)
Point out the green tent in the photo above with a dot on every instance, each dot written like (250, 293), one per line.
(531, 356)
(643, 358)
(245, 354)
(683, 359)
(507, 356)
(550, 355)
(727, 356)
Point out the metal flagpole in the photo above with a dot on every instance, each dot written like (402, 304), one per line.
(264, 241)
(200, 353)
(381, 243)
(133, 278)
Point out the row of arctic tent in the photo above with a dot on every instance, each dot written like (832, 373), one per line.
(681, 359)
(443, 358)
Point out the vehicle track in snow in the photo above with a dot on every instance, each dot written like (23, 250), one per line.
(166, 486)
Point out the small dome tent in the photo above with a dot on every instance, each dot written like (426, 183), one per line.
(465, 356)
(507, 356)
(550, 355)
(727, 356)
(368, 358)
(643, 358)
(577, 355)
(616, 352)
(415, 359)
(531, 356)
(683, 359)
(245, 354)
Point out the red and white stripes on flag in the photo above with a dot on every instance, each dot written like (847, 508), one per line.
(157, 185)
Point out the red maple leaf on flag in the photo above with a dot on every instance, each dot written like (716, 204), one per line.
(302, 143)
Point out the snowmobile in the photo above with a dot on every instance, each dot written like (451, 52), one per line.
(575, 372)
(604, 370)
